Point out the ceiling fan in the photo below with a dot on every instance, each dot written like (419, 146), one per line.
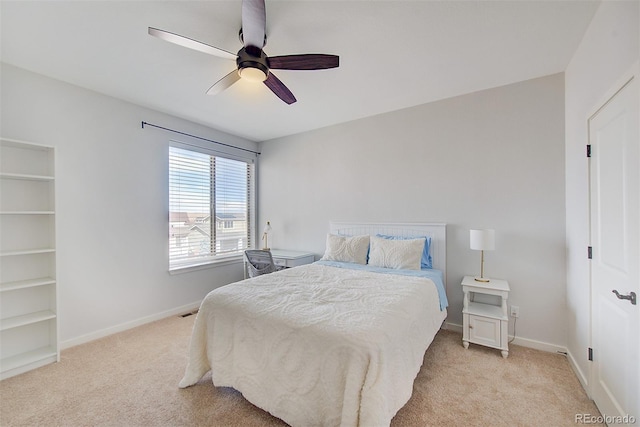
(252, 63)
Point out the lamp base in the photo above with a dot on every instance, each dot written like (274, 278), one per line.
(482, 279)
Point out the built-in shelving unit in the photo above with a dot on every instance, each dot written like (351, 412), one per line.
(28, 287)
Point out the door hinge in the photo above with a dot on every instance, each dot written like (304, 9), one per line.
(588, 150)
(590, 354)
(589, 252)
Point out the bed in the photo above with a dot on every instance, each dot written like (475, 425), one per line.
(333, 343)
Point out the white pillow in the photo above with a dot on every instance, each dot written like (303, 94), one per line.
(398, 254)
(346, 249)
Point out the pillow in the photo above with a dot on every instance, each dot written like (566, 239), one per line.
(347, 249)
(427, 260)
(398, 254)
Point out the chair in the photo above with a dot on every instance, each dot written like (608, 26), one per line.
(259, 262)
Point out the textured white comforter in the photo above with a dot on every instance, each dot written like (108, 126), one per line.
(317, 345)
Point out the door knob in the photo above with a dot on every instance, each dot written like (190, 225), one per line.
(631, 297)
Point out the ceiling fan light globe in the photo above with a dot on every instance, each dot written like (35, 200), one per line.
(252, 74)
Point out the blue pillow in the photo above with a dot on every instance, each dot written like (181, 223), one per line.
(426, 261)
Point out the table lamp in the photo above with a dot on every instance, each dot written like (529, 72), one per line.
(482, 240)
(265, 236)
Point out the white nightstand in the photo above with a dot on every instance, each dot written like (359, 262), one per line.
(485, 323)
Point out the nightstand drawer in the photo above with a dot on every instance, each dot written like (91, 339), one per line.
(485, 331)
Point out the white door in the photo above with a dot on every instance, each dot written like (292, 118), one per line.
(615, 235)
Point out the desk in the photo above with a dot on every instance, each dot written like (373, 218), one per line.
(288, 259)
(283, 258)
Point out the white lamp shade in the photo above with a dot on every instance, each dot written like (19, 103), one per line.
(267, 228)
(482, 240)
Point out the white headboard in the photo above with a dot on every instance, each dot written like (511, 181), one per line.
(437, 232)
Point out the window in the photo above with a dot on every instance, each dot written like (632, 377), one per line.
(210, 206)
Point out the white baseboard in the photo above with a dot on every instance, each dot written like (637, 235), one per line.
(452, 327)
(128, 325)
(525, 342)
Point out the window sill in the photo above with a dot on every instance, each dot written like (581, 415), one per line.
(233, 259)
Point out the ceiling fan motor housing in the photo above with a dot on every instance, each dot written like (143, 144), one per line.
(252, 63)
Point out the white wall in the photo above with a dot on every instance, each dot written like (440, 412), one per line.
(609, 48)
(489, 159)
(111, 204)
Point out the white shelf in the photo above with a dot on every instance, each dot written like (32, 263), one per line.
(26, 319)
(46, 354)
(27, 252)
(485, 310)
(25, 176)
(23, 284)
(27, 213)
(24, 145)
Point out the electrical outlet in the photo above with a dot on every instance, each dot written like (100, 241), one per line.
(515, 311)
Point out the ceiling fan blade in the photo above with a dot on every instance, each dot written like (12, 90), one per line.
(190, 43)
(279, 89)
(224, 83)
(311, 61)
(254, 23)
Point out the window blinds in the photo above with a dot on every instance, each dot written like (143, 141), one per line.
(209, 207)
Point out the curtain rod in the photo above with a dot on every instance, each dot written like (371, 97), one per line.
(198, 137)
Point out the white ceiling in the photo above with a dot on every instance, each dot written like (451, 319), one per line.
(393, 54)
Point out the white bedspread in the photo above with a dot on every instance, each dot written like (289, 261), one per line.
(317, 345)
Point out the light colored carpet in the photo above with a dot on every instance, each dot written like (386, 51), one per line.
(130, 379)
